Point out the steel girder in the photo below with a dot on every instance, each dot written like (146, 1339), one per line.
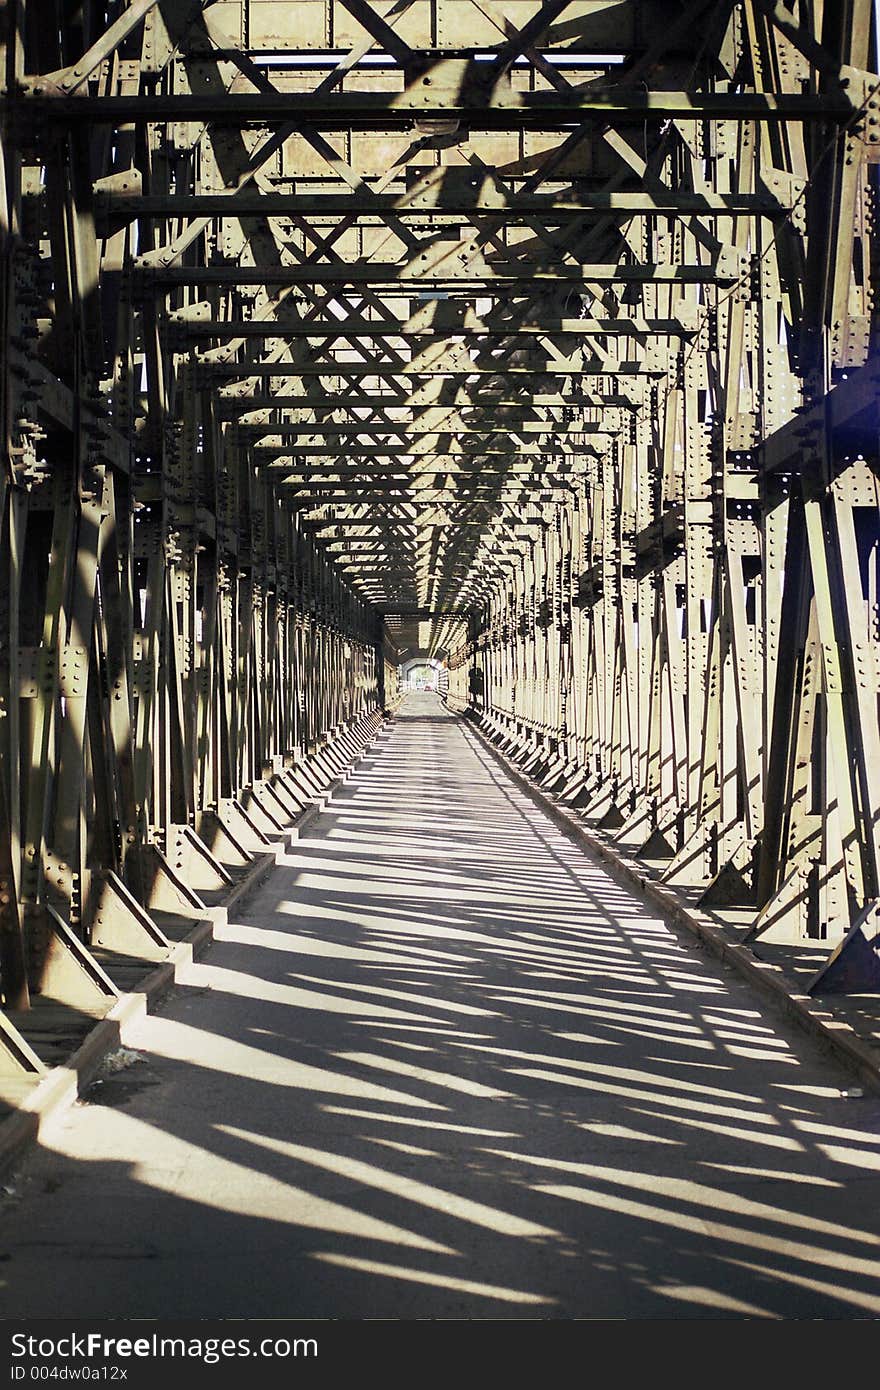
(181, 668)
(554, 314)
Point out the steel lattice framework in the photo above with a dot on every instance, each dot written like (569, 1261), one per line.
(537, 336)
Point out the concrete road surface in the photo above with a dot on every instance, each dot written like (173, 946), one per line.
(443, 1066)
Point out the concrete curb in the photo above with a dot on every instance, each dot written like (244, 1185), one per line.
(834, 1034)
(62, 1085)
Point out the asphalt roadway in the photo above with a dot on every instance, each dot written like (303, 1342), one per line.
(442, 1066)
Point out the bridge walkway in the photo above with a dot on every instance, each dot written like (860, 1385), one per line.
(442, 1065)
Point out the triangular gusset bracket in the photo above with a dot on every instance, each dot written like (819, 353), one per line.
(854, 965)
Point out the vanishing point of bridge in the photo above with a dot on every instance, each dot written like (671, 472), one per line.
(533, 344)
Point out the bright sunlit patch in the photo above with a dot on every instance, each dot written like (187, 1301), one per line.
(447, 1005)
(435, 1199)
(558, 976)
(168, 1038)
(401, 927)
(396, 925)
(622, 1132)
(413, 892)
(399, 1147)
(611, 956)
(663, 1083)
(567, 1081)
(437, 1281)
(324, 997)
(535, 1000)
(295, 943)
(419, 1123)
(755, 1039)
(448, 1032)
(775, 1174)
(588, 1040)
(668, 1039)
(713, 1199)
(868, 1301)
(712, 1298)
(854, 1158)
(821, 1092)
(860, 1136)
(738, 1017)
(655, 992)
(547, 940)
(691, 984)
(762, 1056)
(748, 1136)
(705, 1228)
(658, 1015)
(431, 1078)
(189, 1173)
(666, 1061)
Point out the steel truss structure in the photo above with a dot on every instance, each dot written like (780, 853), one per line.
(533, 334)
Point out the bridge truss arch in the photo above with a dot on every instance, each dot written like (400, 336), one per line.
(546, 325)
